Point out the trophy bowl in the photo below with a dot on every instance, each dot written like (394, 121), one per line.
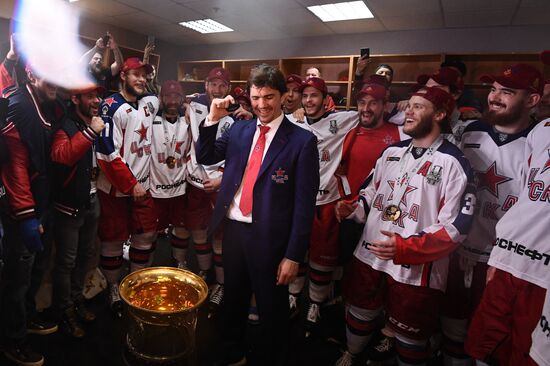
(160, 313)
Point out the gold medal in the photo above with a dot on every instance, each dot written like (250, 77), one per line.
(171, 162)
(392, 213)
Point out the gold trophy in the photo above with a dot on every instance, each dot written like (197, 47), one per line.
(160, 312)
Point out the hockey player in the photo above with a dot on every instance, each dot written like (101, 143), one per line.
(169, 148)
(509, 313)
(124, 156)
(417, 204)
(330, 130)
(204, 181)
(494, 147)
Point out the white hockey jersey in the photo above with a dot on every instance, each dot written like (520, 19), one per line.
(540, 346)
(198, 173)
(170, 147)
(497, 160)
(436, 212)
(331, 132)
(124, 148)
(522, 244)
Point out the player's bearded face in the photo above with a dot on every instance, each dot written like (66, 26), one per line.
(216, 88)
(134, 82)
(96, 63)
(506, 106)
(293, 100)
(171, 103)
(370, 111)
(313, 102)
(418, 117)
(89, 104)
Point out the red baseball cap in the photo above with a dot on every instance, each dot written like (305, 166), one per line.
(88, 88)
(171, 86)
(316, 83)
(518, 76)
(377, 91)
(134, 63)
(240, 93)
(447, 76)
(293, 78)
(545, 57)
(439, 98)
(219, 73)
(377, 79)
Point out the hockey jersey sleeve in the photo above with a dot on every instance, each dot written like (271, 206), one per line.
(108, 150)
(7, 83)
(455, 217)
(68, 151)
(366, 194)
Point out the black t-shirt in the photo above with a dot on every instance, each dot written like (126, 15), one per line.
(104, 79)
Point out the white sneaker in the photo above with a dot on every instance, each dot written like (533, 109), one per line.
(293, 304)
(126, 250)
(216, 296)
(347, 359)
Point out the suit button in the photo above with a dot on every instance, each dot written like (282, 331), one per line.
(236, 185)
(225, 206)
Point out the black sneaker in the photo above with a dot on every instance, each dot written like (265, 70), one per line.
(70, 325)
(83, 312)
(23, 355)
(41, 326)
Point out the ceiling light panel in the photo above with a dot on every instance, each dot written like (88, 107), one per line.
(341, 11)
(206, 26)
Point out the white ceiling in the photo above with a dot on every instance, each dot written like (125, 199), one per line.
(276, 19)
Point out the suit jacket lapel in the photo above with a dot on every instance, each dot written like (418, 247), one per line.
(279, 141)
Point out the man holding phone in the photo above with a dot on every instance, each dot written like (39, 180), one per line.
(96, 56)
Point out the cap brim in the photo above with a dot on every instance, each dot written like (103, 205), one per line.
(487, 79)
(504, 81)
(545, 57)
(423, 79)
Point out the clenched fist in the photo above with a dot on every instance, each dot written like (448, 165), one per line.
(97, 124)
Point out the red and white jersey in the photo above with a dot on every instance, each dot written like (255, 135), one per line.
(522, 244)
(540, 345)
(169, 141)
(124, 147)
(497, 160)
(331, 130)
(437, 207)
(198, 173)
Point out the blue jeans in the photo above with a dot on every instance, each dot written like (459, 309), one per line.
(75, 239)
(23, 273)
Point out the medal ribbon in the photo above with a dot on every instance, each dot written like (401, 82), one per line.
(170, 145)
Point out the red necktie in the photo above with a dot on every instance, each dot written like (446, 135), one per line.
(252, 169)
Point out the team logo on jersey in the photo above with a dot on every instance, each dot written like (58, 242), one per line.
(434, 175)
(502, 137)
(225, 127)
(388, 140)
(151, 107)
(129, 110)
(325, 155)
(490, 180)
(407, 191)
(279, 177)
(333, 127)
(142, 132)
(105, 109)
(547, 164)
(393, 158)
(110, 101)
(547, 124)
(178, 146)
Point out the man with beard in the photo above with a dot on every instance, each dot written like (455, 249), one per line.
(494, 147)
(76, 206)
(293, 99)
(124, 156)
(170, 145)
(32, 113)
(417, 203)
(204, 180)
(324, 252)
(102, 74)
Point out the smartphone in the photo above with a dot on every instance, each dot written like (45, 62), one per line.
(365, 52)
(106, 39)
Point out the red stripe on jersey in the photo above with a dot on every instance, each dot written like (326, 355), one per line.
(118, 174)
(423, 248)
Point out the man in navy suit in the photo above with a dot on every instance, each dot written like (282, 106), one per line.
(266, 205)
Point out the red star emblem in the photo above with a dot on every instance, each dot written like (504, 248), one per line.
(142, 132)
(407, 191)
(547, 165)
(110, 101)
(178, 146)
(490, 179)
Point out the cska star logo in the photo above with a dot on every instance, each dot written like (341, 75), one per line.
(490, 180)
(407, 191)
(547, 164)
(110, 101)
(279, 177)
(142, 132)
(333, 127)
(178, 146)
